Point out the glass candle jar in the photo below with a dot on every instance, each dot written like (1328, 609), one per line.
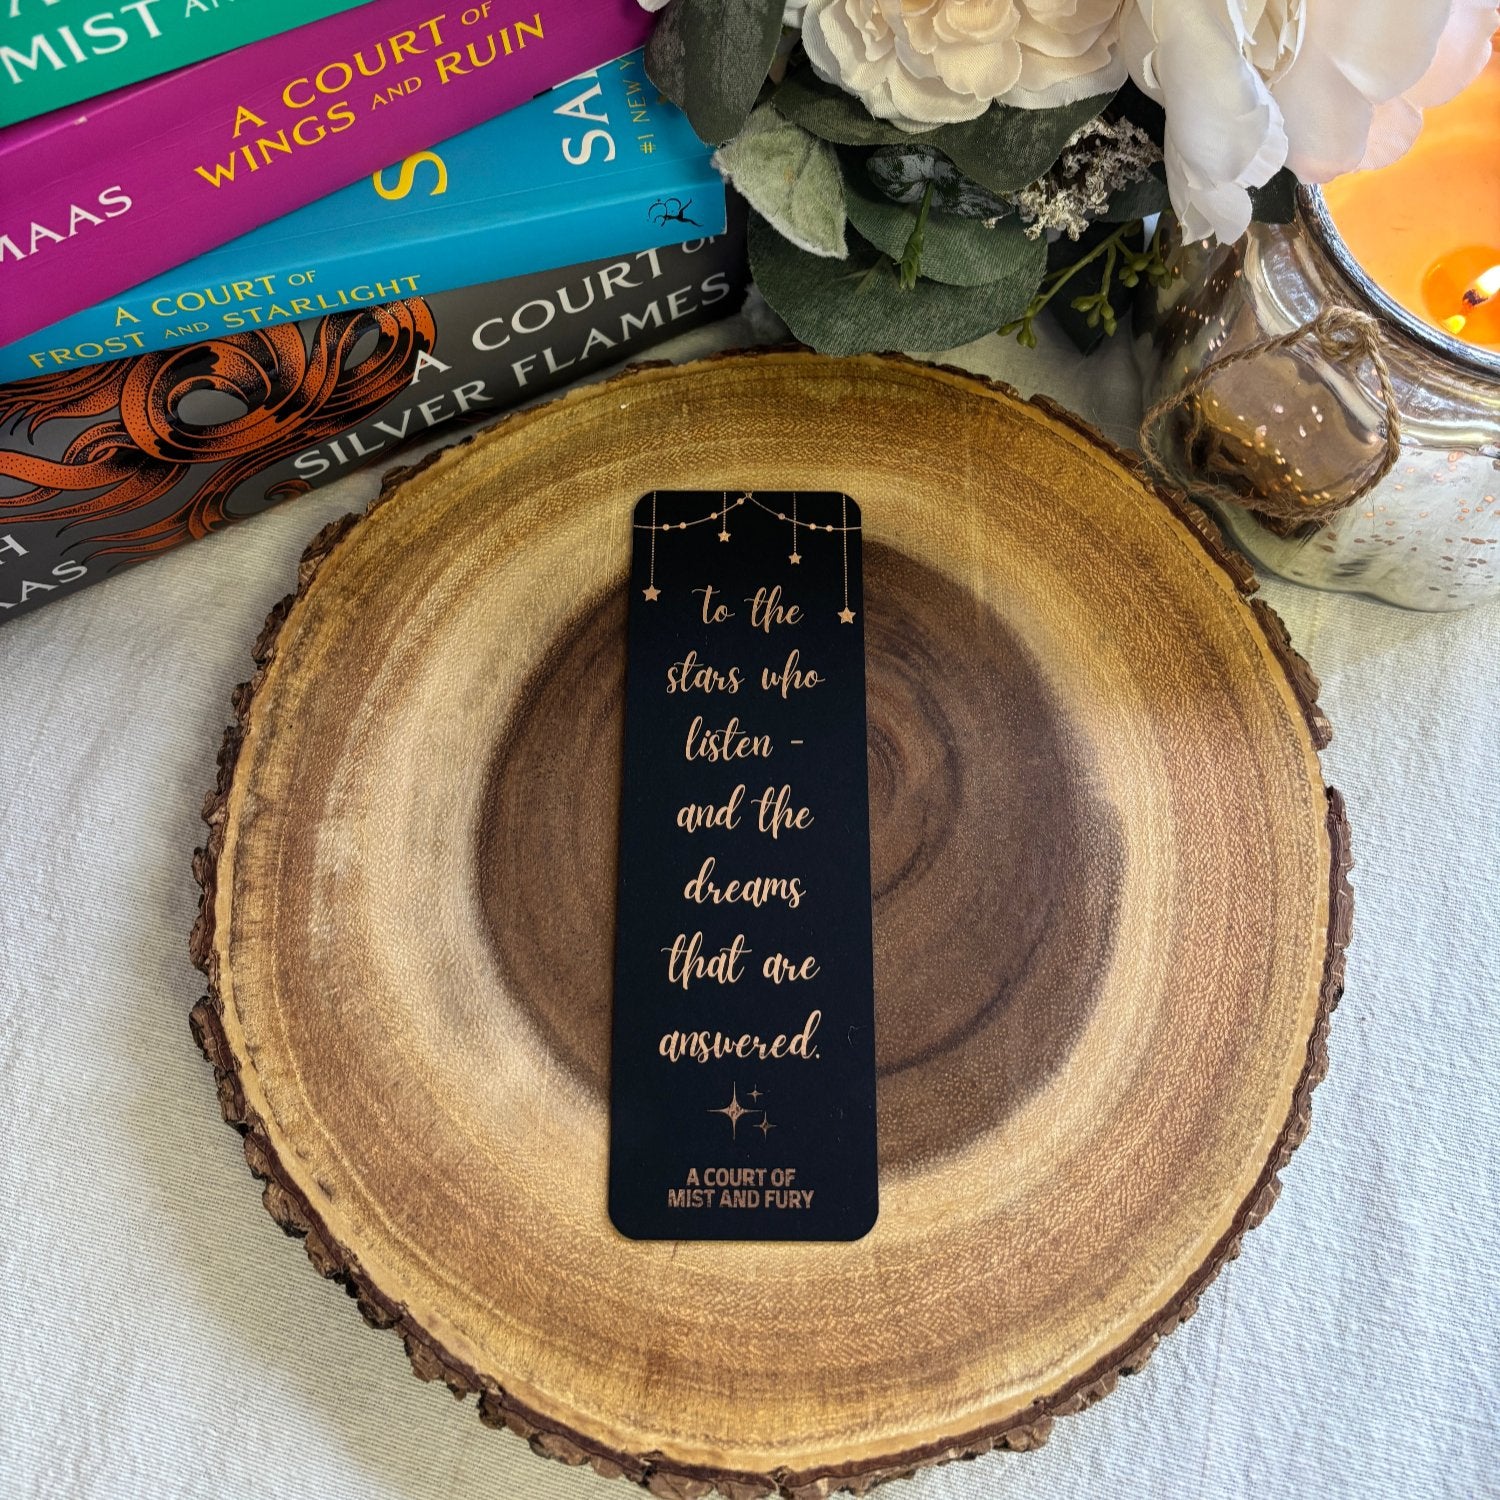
(1301, 427)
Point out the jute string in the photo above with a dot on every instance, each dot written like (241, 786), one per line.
(1345, 336)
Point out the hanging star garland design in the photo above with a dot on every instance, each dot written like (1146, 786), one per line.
(652, 593)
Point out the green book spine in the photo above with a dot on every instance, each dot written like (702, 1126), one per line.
(58, 52)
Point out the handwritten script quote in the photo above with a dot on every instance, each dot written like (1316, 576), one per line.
(743, 1070)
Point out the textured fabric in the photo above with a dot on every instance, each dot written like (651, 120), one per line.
(161, 1338)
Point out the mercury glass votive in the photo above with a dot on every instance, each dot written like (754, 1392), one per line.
(1286, 434)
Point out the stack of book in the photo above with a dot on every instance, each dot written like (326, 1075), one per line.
(224, 284)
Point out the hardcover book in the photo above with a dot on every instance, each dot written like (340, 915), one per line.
(596, 166)
(57, 52)
(104, 466)
(99, 199)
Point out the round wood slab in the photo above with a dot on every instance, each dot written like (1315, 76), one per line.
(1102, 849)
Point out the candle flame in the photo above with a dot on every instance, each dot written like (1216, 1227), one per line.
(1482, 288)
(1475, 295)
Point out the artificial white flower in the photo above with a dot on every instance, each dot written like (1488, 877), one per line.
(919, 63)
(1068, 51)
(1356, 94)
(1321, 86)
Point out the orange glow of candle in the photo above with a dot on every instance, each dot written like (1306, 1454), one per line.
(1460, 292)
(1426, 229)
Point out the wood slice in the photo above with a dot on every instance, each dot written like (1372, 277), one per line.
(1110, 912)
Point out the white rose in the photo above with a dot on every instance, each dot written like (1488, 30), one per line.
(919, 63)
(1321, 86)
(1068, 51)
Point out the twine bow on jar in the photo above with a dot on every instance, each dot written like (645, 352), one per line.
(1345, 337)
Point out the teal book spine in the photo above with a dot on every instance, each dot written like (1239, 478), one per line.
(59, 52)
(597, 166)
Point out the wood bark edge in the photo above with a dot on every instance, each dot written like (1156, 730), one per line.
(497, 1408)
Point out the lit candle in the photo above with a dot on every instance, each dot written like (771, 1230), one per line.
(1427, 228)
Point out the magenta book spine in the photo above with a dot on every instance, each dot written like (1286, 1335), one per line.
(101, 196)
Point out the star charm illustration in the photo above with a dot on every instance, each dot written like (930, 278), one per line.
(796, 557)
(652, 594)
(724, 535)
(734, 1110)
(846, 616)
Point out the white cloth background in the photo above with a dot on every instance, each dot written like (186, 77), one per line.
(159, 1337)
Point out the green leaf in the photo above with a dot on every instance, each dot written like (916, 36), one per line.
(857, 305)
(956, 250)
(1006, 148)
(1002, 150)
(791, 178)
(1139, 200)
(1276, 201)
(710, 59)
(830, 113)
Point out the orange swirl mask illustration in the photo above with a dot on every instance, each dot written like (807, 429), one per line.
(289, 395)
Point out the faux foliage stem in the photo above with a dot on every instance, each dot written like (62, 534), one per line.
(1051, 285)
